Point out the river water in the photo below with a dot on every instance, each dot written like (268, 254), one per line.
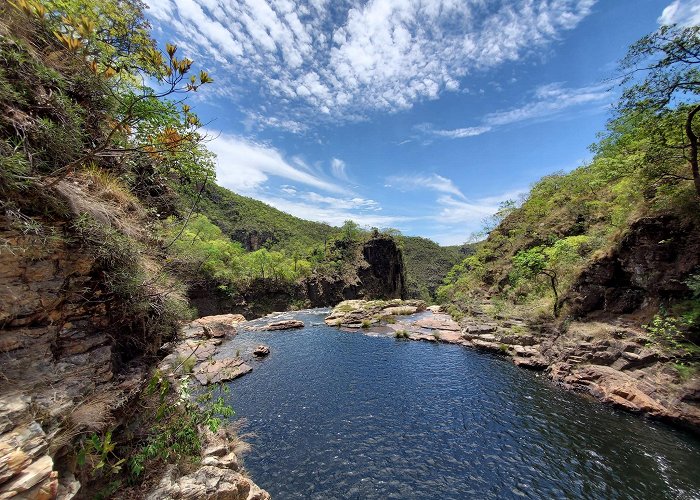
(349, 415)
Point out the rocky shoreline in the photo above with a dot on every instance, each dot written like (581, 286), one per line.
(616, 363)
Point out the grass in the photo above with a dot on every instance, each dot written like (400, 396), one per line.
(437, 336)
(366, 323)
(401, 334)
(187, 363)
(685, 371)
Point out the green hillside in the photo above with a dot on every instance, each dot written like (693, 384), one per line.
(255, 224)
(427, 264)
(619, 214)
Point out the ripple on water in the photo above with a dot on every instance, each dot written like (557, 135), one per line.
(346, 415)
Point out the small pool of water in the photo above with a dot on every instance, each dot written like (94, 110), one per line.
(346, 415)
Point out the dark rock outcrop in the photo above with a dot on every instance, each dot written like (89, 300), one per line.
(253, 240)
(384, 276)
(379, 273)
(649, 265)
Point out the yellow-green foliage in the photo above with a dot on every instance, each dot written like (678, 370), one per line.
(569, 219)
(203, 245)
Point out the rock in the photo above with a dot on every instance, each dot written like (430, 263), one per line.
(613, 386)
(433, 309)
(479, 328)
(533, 362)
(261, 350)
(68, 486)
(438, 322)
(208, 483)
(283, 325)
(37, 476)
(212, 372)
(220, 325)
(515, 339)
(353, 313)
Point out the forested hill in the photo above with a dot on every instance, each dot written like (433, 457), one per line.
(427, 264)
(257, 225)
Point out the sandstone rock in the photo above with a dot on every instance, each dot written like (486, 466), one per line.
(438, 322)
(613, 386)
(352, 313)
(38, 473)
(479, 328)
(533, 362)
(220, 325)
(261, 350)
(208, 483)
(283, 325)
(212, 372)
(522, 340)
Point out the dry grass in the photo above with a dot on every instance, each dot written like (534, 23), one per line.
(105, 199)
(92, 415)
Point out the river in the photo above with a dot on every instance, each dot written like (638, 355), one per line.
(341, 414)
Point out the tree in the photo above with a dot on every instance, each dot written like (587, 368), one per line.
(534, 262)
(669, 62)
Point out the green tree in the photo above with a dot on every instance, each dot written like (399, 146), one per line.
(667, 61)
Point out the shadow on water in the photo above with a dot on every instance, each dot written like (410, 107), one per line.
(347, 415)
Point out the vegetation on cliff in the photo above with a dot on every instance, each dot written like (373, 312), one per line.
(536, 262)
(89, 155)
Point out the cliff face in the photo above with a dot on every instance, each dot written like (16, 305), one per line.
(648, 267)
(385, 275)
(55, 353)
(378, 273)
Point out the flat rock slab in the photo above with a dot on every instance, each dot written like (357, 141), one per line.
(283, 325)
(438, 322)
(220, 370)
(198, 349)
(220, 325)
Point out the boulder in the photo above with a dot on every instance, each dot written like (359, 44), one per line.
(208, 483)
(287, 324)
(220, 370)
(220, 325)
(261, 351)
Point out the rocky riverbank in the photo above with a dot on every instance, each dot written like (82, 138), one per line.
(616, 363)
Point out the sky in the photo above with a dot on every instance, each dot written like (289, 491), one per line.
(419, 115)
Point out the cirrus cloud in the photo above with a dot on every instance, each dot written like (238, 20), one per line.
(345, 59)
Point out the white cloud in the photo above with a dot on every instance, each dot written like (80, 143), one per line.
(457, 133)
(331, 214)
(345, 58)
(434, 182)
(355, 203)
(338, 169)
(685, 13)
(244, 166)
(548, 102)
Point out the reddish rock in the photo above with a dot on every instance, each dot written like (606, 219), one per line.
(288, 324)
(220, 325)
(212, 372)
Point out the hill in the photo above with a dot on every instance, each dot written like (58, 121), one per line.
(257, 225)
(427, 264)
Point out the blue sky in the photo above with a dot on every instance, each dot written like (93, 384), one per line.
(421, 115)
